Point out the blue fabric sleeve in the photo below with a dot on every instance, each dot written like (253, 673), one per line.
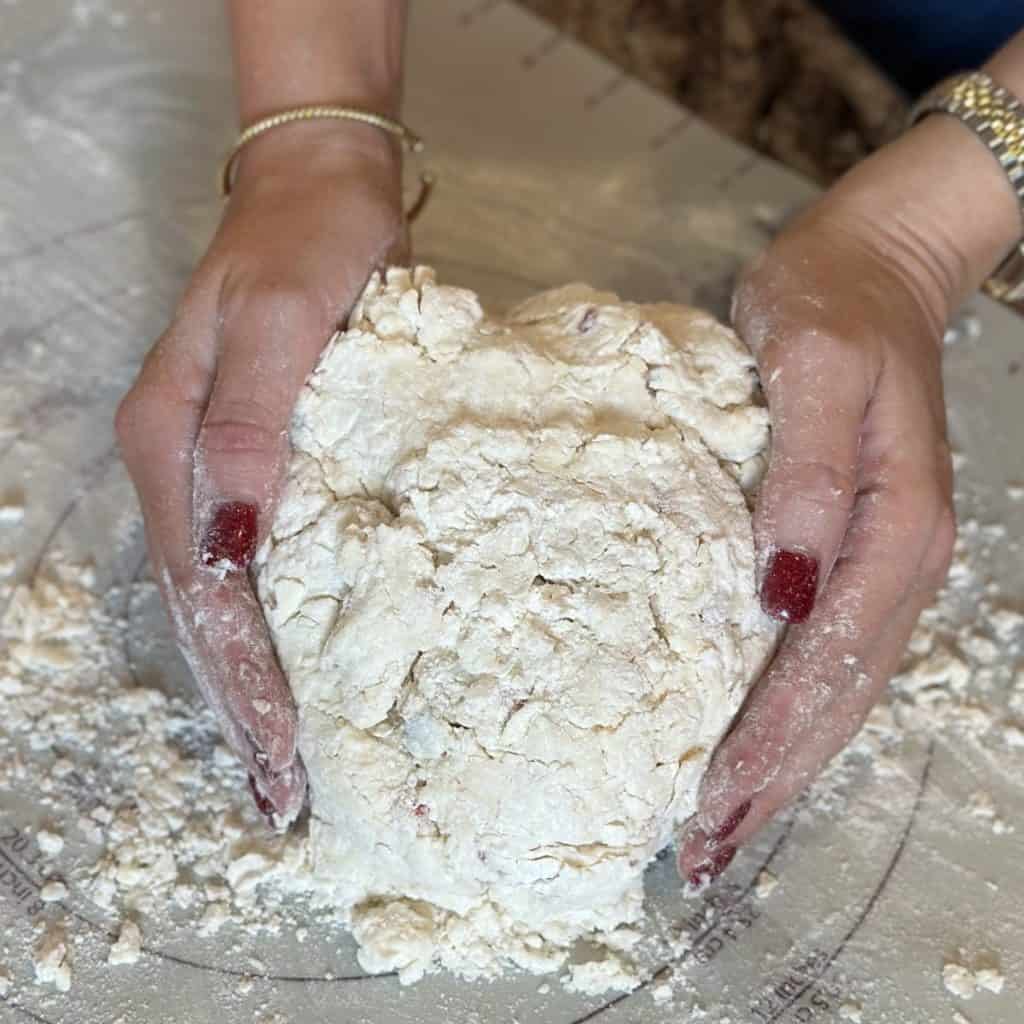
(919, 42)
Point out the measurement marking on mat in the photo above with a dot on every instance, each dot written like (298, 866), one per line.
(466, 18)
(15, 879)
(743, 168)
(664, 137)
(609, 89)
(553, 41)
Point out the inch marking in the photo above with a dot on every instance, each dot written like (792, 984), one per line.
(553, 41)
(664, 137)
(484, 7)
(875, 896)
(604, 92)
(740, 170)
(663, 970)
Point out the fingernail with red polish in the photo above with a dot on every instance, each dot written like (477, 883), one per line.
(790, 586)
(730, 824)
(263, 805)
(713, 867)
(231, 535)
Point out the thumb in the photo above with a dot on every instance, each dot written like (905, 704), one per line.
(270, 341)
(269, 344)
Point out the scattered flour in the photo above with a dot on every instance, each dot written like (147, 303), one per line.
(981, 806)
(152, 812)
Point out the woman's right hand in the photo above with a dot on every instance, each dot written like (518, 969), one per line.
(315, 208)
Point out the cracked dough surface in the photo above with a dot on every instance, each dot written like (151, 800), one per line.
(511, 581)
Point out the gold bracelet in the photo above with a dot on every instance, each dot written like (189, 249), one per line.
(409, 139)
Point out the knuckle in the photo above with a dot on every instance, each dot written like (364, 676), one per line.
(939, 554)
(912, 510)
(816, 482)
(125, 417)
(135, 410)
(169, 382)
(239, 428)
(924, 520)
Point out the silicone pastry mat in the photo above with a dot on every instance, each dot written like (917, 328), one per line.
(552, 166)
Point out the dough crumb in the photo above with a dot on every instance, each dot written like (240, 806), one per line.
(593, 977)
(215, 916)
(963, 982)
(50, 957)
(128, 947)
(51, 843)
(989, 979)
(766, 884)
(11, 514)
(851, 1011)
(959, 980)
(53, 891)
(662, 993)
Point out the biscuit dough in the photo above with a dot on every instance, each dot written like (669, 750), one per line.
(511, 582)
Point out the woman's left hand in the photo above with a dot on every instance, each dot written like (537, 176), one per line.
(845, 313)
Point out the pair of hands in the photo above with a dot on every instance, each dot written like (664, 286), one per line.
(845, 313)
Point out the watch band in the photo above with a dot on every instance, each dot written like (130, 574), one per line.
(996, 116)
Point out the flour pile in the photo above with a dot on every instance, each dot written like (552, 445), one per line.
(511, 581)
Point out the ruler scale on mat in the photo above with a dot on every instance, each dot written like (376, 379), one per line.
(552, 166)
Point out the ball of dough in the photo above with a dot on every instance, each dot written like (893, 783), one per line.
(511, 582)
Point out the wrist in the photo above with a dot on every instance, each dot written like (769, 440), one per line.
(940, 206)
(940, 197)
(294, 53)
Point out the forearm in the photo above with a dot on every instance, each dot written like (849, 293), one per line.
(292, 53)
(938, 192)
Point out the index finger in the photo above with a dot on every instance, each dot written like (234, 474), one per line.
(828, 672)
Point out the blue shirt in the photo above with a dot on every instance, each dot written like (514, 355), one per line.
(919, 42)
